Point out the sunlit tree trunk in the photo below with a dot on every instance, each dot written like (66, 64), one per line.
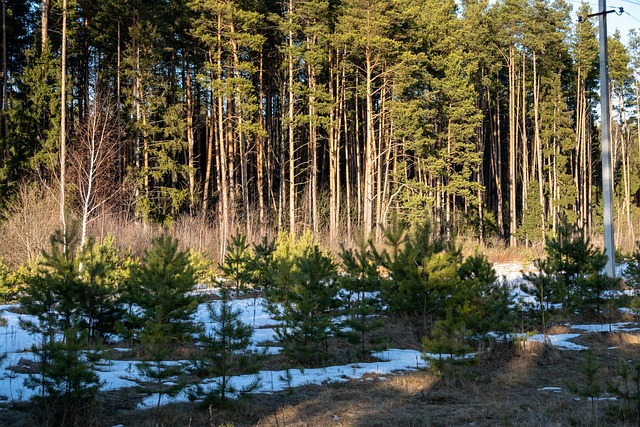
(190, 135)
(4, 130)
(63, 124)
(334, 149)
(512, 148)
(369, 148)
(538, 146)
(222, 145)
(44, 23)
(260, 160)
(525, 143)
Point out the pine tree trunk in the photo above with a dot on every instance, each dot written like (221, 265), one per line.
(4, 130)
(260, 163)
(626, 166)
(290, 128)
(357, 155)
(210, 140)
(121, 152)
(369, 150)
(538, 147)
(525, 142)
(44, 23)
(242, 143)
(512, 148)
(496, 163)
(313, 150)
(190, 135)
(222, 145)
(63, 124)
(334, 153)
(578, 172)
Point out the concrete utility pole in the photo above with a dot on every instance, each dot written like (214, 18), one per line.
(607, 173)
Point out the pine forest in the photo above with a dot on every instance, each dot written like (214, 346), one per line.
(329, 116)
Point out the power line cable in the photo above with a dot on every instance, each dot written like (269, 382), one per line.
(632, 17)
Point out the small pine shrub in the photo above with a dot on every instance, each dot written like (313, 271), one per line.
(572, 273)
(422, 271)
(225, 351)
(627, 389)
(237, 263)
(162, 288)
(361, 285)
(591, 388)
(303, 298)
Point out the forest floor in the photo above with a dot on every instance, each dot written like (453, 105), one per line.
(533, 385)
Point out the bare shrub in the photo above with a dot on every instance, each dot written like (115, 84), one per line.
(27, 223)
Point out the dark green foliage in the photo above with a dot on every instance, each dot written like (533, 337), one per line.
(361, 283)
(162, 290)
(78, 289)
(530, 229)
(53, 295)
(237, 262)
(303, 298)
(225, 350)
(540, 287)
(577, 268)
(477, 305)
(34, 118)
(66, 381)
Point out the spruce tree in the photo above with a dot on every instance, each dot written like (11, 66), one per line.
(422, 271)
(480, 300)
(53, 294)
(262, 263)
(541, 288)
(447, 345)
(66, 381)
(572, 273)
(164, 282)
